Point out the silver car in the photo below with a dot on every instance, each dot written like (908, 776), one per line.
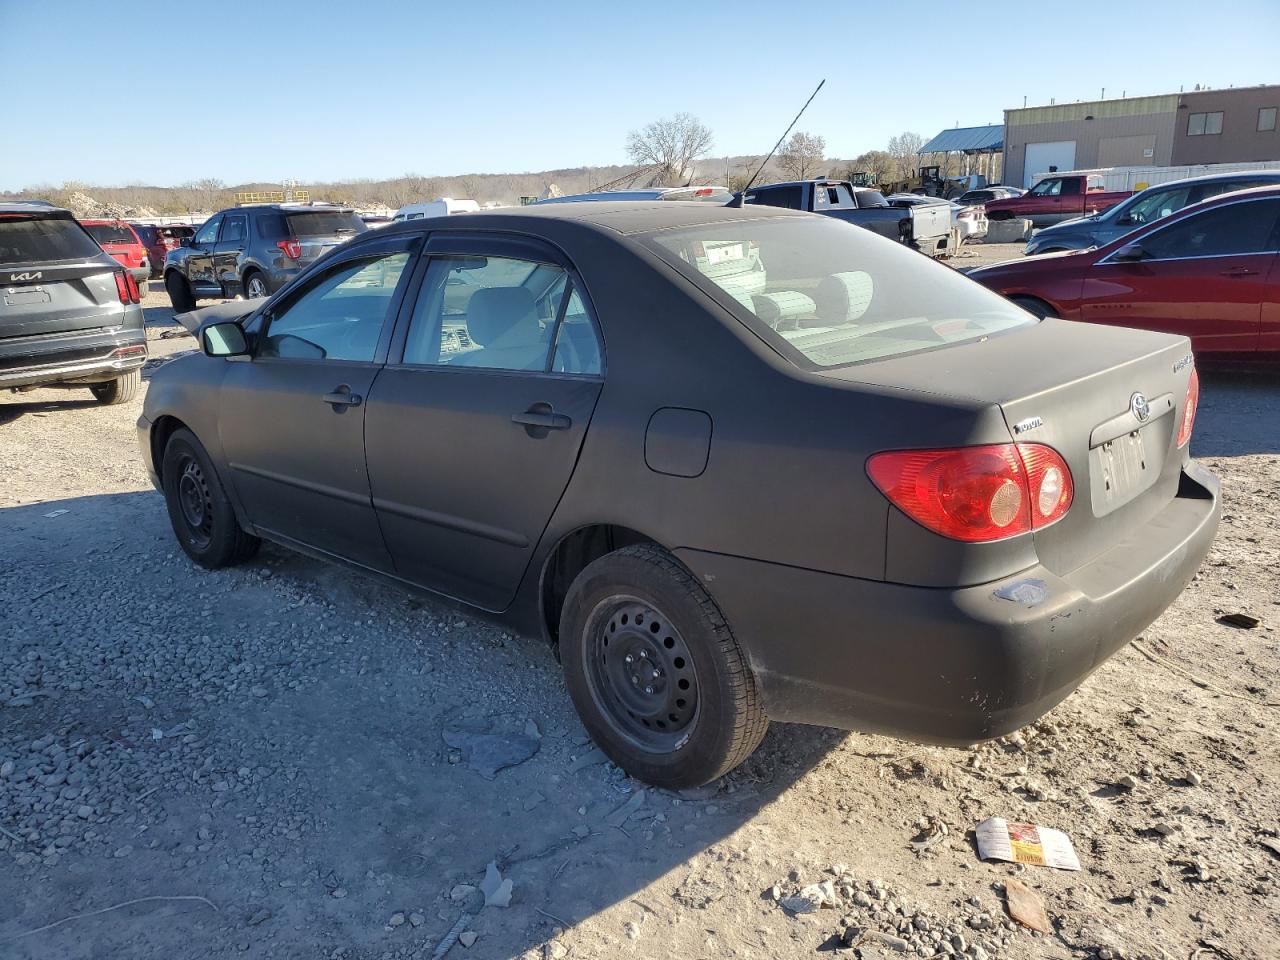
(1149, 205)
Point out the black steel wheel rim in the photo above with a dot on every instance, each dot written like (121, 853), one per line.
(641, 674)
(194, 502)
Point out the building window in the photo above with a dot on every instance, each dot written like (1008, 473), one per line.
(1202, 124)
(1267, 119)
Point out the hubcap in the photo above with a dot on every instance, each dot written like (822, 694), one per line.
(641, 673)
(195, 503)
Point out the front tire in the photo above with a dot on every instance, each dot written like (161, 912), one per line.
(120, 390)
(654, 671)
(199, 510)
(179, 291)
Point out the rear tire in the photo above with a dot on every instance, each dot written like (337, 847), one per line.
(179, 291)
(120, 390)
(255, 285)
(201, 513)
(1037, 308)
(654, 671)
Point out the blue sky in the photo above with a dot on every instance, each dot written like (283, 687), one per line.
(163, 92)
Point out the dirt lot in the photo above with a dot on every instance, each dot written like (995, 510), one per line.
(254, 762)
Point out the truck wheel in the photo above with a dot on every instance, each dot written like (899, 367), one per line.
(179, 291)
(654, 671)
(120, 390)
(255, 285)
(202, 516)
(1037, 308)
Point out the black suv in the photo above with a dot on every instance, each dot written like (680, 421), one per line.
(253, 251)
(69, 314)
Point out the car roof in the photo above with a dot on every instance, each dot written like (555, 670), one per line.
(31, 206)
(607, 216)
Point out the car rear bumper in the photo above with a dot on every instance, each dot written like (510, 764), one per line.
(71, 358)
(953, 666)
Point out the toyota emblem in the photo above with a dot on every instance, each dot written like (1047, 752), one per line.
(1139, 407)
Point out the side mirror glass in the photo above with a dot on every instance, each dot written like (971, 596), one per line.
(184, 242)
(1129, 253)
(224, 340)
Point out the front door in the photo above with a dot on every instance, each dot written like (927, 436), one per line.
(200, 259)
(473, 428)
(292, 418)
(226, 254)
(1204, 276)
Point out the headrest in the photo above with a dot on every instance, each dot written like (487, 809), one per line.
(844, 297)
(492, 311)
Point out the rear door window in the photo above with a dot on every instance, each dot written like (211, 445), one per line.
(232, 230)
(25, 240)
(1234, 229)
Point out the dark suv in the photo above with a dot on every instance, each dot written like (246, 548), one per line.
(69, 313)
(254, 250)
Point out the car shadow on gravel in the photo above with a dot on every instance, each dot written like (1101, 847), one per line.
(271, 738)
(1239, 413)
(13, 407)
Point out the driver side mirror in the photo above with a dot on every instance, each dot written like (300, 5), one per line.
(1129, 253)
(184, 241)
(224, 340)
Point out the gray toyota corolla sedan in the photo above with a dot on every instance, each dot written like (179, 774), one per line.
(735, 464)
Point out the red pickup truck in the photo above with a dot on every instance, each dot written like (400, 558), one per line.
(1057, 198)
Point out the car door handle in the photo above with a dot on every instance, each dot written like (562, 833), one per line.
(1239, 272)
(343, 397)
(542, 415)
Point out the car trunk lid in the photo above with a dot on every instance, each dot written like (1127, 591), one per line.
(1073, 387)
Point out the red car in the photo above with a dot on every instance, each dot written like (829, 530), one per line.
(159, 240)
(118, 239)
(1210, 272)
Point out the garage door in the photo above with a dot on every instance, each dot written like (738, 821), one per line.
(1045, 158)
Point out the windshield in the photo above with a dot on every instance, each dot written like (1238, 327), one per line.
(325, 224)
(825, 293)
(25, 239)
(110, 233)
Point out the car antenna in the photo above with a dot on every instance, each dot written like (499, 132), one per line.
(739, 197)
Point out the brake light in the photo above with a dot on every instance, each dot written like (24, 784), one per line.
(976, 494)
(132, 286)
(291, 248)
(703, 192)
(1189, 406)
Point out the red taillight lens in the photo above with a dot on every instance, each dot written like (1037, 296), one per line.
(1189, 409)
(976, 494)
(132, 286)
(122, 286)
(291, 248)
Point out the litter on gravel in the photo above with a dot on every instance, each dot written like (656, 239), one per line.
(998, 839)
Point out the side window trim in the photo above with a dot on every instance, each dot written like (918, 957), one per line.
(410, 244)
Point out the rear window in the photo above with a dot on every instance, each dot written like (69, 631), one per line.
(790, 197)
(871, 198)
(110, 233)
(25, 240)
(176, 233)
(324, 224)
(825, 293)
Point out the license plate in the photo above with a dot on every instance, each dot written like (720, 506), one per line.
(23, 297)
(1122, 469)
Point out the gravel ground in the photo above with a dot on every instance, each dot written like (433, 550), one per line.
(284, 760)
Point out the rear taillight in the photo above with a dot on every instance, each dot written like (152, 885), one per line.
(976, 494)
(1189, 409)
(127, 287)
(291, 248)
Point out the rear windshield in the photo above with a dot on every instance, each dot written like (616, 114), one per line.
(25, 239)
(324, 224)
(110, 233)
(871, 198)
(825, 293)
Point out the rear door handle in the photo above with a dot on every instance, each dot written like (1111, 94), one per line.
(1239, 272)
(544, 416)
(343, 397)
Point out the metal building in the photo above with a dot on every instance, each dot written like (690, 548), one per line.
(1236, 124)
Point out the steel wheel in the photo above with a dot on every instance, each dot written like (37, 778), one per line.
(641, 674)
(195, 503)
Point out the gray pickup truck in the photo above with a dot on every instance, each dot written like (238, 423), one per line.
(924, 227)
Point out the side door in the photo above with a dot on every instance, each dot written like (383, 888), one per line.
(1043, 202)
(473, 428)
(1203, 276)
(228, 250)
(200, 258)
(292, 418)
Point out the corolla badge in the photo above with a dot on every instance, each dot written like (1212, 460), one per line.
(1139, 407)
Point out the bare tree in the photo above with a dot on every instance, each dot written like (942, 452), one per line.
(802, 156)
(670, 146)
(903, 148)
